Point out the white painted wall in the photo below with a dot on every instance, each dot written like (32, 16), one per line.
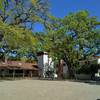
(44, 60)
(99, 61)
(65, 69)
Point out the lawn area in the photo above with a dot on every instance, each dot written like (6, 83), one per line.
(48, 90)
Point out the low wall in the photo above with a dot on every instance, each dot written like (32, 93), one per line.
(83, 76)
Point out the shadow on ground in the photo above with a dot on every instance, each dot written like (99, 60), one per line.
(90, 82)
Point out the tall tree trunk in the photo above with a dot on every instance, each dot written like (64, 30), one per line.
(70, 68)
(59, 70)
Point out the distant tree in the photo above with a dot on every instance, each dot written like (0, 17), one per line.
(19, 12)
(14, 17)
(15, 39)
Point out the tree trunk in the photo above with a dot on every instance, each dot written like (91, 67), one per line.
(70, 68)
(59, 70)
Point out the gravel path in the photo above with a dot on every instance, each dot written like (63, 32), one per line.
(48, 90)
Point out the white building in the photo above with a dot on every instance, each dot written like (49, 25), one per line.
(44, 63)
(98, 60)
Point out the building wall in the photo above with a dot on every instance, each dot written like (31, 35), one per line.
(45, 59)
(98, 60)
(40, 62)
(65, 69)
(40, 65)
(44, 62)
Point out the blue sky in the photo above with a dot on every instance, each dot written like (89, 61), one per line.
(60, 8)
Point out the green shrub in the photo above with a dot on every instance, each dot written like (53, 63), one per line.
(88, 69)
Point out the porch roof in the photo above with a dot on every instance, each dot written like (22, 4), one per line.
(18, 65)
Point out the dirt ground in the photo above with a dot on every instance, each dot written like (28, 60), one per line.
(48, 90)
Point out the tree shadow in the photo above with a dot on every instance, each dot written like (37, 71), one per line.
(90, 82)
(10, 79)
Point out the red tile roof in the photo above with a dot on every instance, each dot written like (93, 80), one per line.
(18, 65)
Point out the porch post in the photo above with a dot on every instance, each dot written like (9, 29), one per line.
(23, 73)
(13, 73)
(3, 73)
(31, 73)
(0, 73)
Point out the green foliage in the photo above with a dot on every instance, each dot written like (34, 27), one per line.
(14, 15)
(73, 38)
(88, 69)
(83, 30)
(17, 39)
(19, 12)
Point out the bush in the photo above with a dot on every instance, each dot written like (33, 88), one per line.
(88, 69)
